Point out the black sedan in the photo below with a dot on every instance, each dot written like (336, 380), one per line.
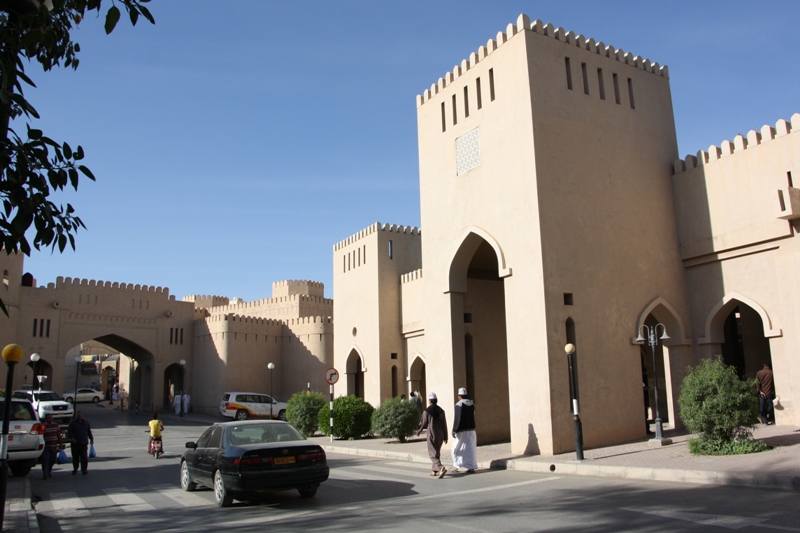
(237, 459)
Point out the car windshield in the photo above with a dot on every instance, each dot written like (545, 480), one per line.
(262, 434)
(46, 396)
(19, 411)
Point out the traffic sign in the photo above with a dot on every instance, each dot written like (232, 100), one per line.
(331, 376)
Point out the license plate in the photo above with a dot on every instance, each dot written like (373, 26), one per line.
(284, 460)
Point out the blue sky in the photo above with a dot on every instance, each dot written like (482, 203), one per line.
(236, 142)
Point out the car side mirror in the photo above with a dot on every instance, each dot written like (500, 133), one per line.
(191, 445)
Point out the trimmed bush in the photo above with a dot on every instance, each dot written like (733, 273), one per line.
(352, 418)
(720, 408)
(302, 411)
(395, 419)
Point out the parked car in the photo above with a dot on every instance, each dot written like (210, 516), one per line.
(244, 405)
(46, 401)
(84, 395)
(25, 436)
(245, 457)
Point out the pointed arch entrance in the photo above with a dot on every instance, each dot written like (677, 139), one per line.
(416, 377)
(355, 374)
(478, 322)
(40, 368)
(743, 329)
(135, 371)
(173, 384)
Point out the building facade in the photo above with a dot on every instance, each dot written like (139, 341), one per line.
(555, 210)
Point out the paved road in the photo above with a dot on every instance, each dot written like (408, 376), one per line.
(127, 489)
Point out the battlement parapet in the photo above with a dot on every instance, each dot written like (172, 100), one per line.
(547, 30)
(81, 283)
(299, 287)
(265, 303)
(232, 317)
(308, 320)
(377, 226)
(411, 276)
(739, 144)
(206, 300)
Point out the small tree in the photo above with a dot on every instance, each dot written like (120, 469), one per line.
(352, 418)
(721, 408)
(395, 419)
(302, 411)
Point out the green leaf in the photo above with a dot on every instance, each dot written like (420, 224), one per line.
(67, 150)
(86, 172)
(34, 134)
(112, 17)
(134, 15)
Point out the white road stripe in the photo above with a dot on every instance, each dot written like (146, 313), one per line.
(64, 505)
(180, 496)
(394, 471)
(127, 501)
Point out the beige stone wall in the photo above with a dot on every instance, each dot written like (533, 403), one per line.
(738, 212)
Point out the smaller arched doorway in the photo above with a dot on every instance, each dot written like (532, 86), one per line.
(416, 377)
(744, 346)
(355, 374)
(43, 369)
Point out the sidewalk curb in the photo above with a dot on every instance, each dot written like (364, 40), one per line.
(588, 468)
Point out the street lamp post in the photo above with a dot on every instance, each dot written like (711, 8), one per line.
(652, 339)
(12, 354)
(576, 417)
(35, 360)
(75, 401)
(182, 362)
(271, 367)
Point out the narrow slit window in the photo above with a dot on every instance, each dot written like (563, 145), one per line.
(34, 326)
(491, 84)
(359, 257)
(601, 85)
(344, 264)
(444, 119)
(365, 254)
(182, 336)
(630, 93)
(466, 101)
(41, 327)
(585, 79)
(391, 251)
(789, 178)
(569, 73)
(47, 329)
(478, 92)
(616, 88)
(455, 111)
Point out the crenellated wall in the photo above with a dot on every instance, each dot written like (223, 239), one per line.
(299, 287)
(202, 301)
(377, 226)
(740, 192)
(567, 37)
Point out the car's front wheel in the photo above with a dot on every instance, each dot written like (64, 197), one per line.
(221, 494)
(241, 414)
(96, 399)
(19, 470)
(186, 478)
(282, 415)
(307, 492)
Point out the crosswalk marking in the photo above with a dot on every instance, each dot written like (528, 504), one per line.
(186, 499)
(68, 505)
(393, 471)
(127, 501)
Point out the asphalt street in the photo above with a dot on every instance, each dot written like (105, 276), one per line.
(128, 489)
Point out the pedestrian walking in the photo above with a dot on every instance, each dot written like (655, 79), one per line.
(186, 399)
(52, 443)
(766, 395)
(416, 401)
(465, 440)
(79, 433)
(434, 421)
(176, 402)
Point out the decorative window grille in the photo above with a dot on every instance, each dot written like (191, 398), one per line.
(468, 152)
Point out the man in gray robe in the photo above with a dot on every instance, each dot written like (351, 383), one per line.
(434, 421)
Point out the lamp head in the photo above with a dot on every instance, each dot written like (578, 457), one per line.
(569, 348)
(639, 338)
(182, 362)
(78, 358)
(13, 353)
(35, 357)
(664, 336)
(271, 366)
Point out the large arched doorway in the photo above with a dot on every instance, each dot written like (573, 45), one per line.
(39, 369)
(744, 347)
(355, 374)
(480, 356)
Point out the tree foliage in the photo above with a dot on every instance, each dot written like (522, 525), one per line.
(352, 418)
(302, 411)
(32, 165)
(395, 419)
(720, 407)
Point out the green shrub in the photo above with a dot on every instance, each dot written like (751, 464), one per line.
(352, 418)
(303, 409)
(395, 419)
(717, 447)
(719, 407)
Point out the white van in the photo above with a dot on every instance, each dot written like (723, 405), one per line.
(244, 405)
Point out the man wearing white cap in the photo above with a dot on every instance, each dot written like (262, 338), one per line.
(433, 419)
(465, 441)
